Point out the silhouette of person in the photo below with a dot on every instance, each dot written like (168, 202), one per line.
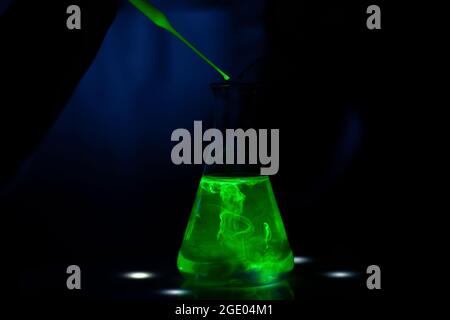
(41, 62)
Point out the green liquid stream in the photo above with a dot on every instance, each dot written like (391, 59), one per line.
(160, 19)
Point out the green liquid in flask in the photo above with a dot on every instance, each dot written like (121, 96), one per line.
(235, 235)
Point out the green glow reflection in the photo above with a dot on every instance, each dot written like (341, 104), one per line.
(275, 291)
(235, 235)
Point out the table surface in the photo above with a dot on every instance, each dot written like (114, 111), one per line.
(311, 278)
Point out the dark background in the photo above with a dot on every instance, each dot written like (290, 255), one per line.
(100, 187)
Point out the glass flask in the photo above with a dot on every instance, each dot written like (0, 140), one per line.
(235, 235)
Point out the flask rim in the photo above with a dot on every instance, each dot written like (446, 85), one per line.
(236, 84)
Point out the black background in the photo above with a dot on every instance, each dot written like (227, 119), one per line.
(324, 67)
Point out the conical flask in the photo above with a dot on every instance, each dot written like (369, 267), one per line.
(235, 234)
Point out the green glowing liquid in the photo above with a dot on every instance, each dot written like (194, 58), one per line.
(160, 19)
(235, 235)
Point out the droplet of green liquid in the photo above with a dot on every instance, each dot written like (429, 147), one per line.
(235, 234)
